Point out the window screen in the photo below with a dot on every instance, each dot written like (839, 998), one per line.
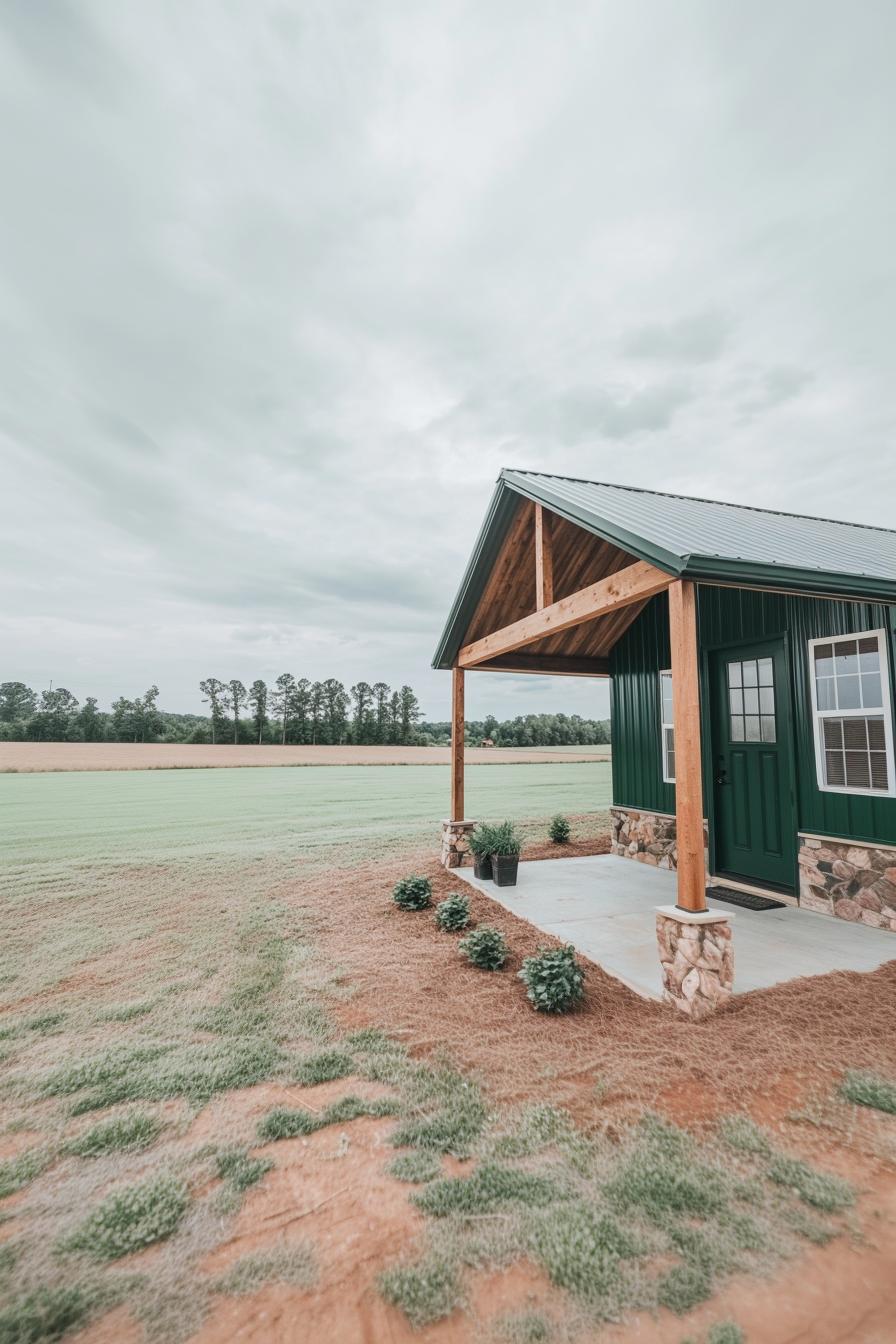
(850, 686)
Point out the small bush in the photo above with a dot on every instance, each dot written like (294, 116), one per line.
(285, 1124)
(487, 1190)
(131, 1219)
(425, 1292)
(324, 1067)
(559, 830)
(45, 1315)
(412, 893)
(867, 1089)
(453, 914)
(485, 948)
(828, 1193)
(415, 1168)
(726, 1332)
(127, 1133)
(239, 1170)
(554, 980)
(683, 1287)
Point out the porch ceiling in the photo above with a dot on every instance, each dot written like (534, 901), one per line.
(606, 907)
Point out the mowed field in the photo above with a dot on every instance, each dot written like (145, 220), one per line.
(245, 1097)
(39, 756)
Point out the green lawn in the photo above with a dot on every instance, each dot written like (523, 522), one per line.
(161, 815)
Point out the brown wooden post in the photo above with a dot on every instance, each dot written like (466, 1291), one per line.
(457, 744)
(544, 559)
(688, 766)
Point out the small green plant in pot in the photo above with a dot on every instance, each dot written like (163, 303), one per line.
(485, 947)
(559, 830)
(506, 846)
(412, 893)
(554, 980)
(481, 842)
(453, 914)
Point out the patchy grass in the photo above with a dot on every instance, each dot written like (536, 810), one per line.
(283, 1123)
(528, 1327)
(126, 1133)
(869, 1089)
(489, 1188)
(442, 1112)
(128, 1012)
(289, 1264)
(324, 1067)
(725, 1332)
(46, 1314)
(415, 1168)
(822, 1191)
(425, 1292)
(131, 1219)
(684, 1287)
(17, 1172)
(239, 1170)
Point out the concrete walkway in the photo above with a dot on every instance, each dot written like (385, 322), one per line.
(605, 906)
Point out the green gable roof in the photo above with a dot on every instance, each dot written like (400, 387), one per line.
(692, 538)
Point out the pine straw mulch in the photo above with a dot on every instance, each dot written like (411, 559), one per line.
(766, 1052)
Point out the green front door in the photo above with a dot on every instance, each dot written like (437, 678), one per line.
(754, 824)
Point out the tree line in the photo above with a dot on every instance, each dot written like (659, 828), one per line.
(527, 730)
(293, 711)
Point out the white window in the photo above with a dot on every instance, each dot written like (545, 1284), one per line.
(667, 728)
(853, 717)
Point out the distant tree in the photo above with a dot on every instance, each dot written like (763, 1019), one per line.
(53, 717)
(148, 721)
(214, 692)
(490, 727)
(300, 701)
(17, 702)
(410, 713)
(92, 721)
(315, 710)
(394, 717)
(361, 694)
(235, 698)
(380, 693)
(335, 709)
(282, 702)
(258, 699)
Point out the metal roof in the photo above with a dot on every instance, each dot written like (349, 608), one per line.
(700, 539)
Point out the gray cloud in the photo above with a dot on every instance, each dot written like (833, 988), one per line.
(282, 289)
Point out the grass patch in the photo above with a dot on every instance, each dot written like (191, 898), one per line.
(46, 1314)
(725, 1332)
(684, 1287)
(128, 1012)
(45, 1023)
(17, 1172)
(489, 1188)
(415, 1168)
(324, 1067)
(583, 1249)
(817, 1188)
(869, 1089)
(663, 1175)
(289, 1264)
(425, 1292)
(126, 1133)
(744, 1136)
(283, 1123)
(239, 1170)
(529, 1327)
(445, 1113)
(131, 1219)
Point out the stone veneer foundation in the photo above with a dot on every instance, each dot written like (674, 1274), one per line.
(455, 846)
(697, 959)
(851, 881)
(648, 837)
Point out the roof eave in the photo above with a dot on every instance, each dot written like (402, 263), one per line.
(787, 578)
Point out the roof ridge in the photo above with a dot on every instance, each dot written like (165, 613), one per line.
(700, 499)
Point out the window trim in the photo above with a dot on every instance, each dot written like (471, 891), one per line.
(664, 724)
(819, 715)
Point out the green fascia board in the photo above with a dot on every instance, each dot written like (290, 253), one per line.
(786, 578)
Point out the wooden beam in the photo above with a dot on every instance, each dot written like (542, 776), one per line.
(457, 744)
(550, 665)
(638, 581)
(688, 765)
(544, 559)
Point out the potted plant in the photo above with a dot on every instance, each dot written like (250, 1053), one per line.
(481, 847)
(506, 846)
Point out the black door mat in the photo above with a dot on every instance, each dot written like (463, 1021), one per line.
(746, 899)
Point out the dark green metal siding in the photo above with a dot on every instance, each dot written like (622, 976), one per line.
(730, 616)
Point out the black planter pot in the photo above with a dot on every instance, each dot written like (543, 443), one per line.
(482, 866)
(504, 869)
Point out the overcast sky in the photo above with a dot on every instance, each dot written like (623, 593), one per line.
(284, 285)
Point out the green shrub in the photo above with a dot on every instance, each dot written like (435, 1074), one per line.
(126, 1133)
(425, 1292)
(324, 1067)
(453, 913)
(412, 893)
(485, 947)
(131, 1219)
(481, 840)
(683, 1287)
(45, 1315)
(554, 980)
(828, 1193)
(282, 1123)
(867, 1089)
(726, 1332)
(559, 830)
(506, 840)
(239, 1170)
(490, 1188)
(415, 1168)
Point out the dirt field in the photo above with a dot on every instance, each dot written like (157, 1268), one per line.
(25, 757)
(189, 991)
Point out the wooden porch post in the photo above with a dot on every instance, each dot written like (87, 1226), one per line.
(688, 766)
(457, 744)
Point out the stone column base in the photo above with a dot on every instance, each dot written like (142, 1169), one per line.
(697, 959)
(455, 848)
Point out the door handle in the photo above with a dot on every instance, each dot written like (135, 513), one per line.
(722, 776)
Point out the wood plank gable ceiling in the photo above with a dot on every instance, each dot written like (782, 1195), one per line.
(580, 558)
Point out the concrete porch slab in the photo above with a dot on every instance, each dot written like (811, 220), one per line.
(606, 907)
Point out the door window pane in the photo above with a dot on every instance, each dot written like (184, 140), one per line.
(734, 677)
(751, 728)
(768, 728)
(737, 728)
(766, 672)
(751, 700)
(750, 674)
